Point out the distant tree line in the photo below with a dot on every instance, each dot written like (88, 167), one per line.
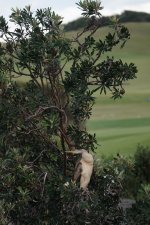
(132, 16)
(126, 16)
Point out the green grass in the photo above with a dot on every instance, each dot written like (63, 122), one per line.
(123, 124)
(126, 123)
(120, 136)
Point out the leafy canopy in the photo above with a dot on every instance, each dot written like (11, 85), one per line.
(46, 116)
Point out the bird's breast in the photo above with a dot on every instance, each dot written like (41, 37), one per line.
(88, 158)
(87, 168)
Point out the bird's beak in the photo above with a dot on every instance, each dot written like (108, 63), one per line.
(72, 152)
(75, 152)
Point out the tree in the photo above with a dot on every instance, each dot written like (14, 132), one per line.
(47, 116)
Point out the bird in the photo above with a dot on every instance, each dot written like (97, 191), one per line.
(83, 168)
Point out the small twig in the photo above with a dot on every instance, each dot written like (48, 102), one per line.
(80, 34)
(41, 110)
(61, 69)
(26, 133)
(44, 183)
(38, 156)
(67, 139)
(20, 73)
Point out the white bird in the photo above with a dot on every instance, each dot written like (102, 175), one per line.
(83, 168)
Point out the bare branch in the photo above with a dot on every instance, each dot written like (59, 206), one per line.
(41, 110)
(44, 183)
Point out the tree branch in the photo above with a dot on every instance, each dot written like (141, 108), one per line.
(41, 110)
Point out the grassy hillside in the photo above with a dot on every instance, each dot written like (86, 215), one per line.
(120, 125)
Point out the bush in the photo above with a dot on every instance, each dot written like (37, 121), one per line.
(133, 175)
(123, 168)
(139, 214)
(142, 163)
(131, 171)
(99, 205)
(33, 187)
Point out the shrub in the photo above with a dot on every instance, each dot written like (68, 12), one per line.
(99, 205)
(142, 163)
(139, 214)
(123, 168)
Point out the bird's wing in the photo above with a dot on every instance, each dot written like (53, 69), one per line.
(87, 169)
(78, 170)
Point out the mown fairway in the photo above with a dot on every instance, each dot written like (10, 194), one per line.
(120, 125)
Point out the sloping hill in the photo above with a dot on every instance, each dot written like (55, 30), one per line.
(120, 125)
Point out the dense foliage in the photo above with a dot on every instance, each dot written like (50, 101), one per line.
(133, 172)
(46, 117)
(142, 163)
(133, 175)
(139, 214)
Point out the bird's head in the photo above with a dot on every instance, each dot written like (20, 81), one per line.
(77, 151)
(87, 157)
